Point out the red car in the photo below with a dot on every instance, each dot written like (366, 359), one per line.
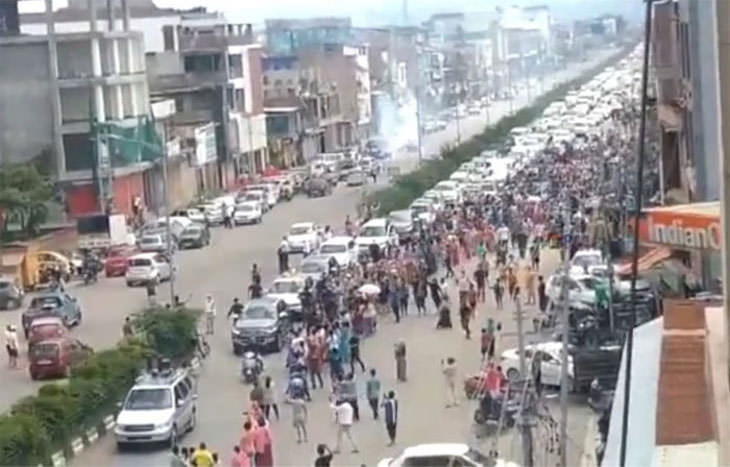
(116, 261)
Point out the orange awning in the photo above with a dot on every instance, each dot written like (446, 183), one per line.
(647, 261)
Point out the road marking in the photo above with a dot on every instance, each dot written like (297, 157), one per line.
(77, 445)
(58, 459)
(92, 435)
(109, 422)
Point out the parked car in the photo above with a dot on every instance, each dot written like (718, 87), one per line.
(402, 222)
(156, 243)
(303, 238)
(286, 287)
(356, 177)
(549, 355)
(194, 214)
(58, 304)
(55, 357)
(195, 236)
(247, 212)
(255, 196)
(264, 323)
(159, 408)
(148, 267)
(11, 295)
(213, 213)
(116, 261)
(376, 231)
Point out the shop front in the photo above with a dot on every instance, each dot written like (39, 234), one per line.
(685, 239)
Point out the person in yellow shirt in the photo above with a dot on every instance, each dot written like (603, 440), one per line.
(202, 457)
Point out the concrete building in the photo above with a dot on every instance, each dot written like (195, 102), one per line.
(344, 69)
(288, 36)
(57, 85)
(216, 80)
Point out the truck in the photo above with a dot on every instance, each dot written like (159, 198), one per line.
(103, 231)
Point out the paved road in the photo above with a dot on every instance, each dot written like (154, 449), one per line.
(223, 270)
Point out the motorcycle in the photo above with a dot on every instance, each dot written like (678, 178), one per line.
(90, 275)
(251, 367)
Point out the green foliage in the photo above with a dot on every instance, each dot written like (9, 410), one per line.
(170, 332)
(24, 193)
(409, 187)
(38, 425)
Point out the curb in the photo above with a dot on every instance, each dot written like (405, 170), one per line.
(77, 445)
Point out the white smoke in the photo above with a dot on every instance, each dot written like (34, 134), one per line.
(397, 122)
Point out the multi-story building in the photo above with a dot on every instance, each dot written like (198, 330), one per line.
(288, 36)
(215, 78)
(56, 87)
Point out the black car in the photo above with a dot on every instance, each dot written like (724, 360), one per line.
(195, 236)
(318, 186)
(264, 322)
(11, 296)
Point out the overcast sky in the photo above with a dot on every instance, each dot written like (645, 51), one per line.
(368, 12)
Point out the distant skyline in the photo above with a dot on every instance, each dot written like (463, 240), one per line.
(374, 12)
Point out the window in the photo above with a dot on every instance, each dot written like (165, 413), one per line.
(277, 124)
(179, 104)
(266, 80)
(427, 461)
(202, 63)
(168, 37)
(181, 391)
(240, 100)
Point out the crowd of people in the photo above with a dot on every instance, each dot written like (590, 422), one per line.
(491, 243)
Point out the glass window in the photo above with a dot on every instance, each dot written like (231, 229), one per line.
(181, 391)
(427, 461)
(258, 312)
(149, 399)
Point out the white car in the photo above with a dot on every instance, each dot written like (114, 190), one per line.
(247, 212)
(258, 196)
(270, 191)
(147, 267)
(303, 238)
(585, 259)
(580, 287)
(449, 191)
(286, 288)
(341, 248)
(376, 231)
(439, 455)
(158, 408)
(213, 213)
(550, 357)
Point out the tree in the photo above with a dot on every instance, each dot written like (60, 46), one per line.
(24, 193)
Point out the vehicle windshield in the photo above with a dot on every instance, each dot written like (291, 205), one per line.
(192, 231)
(244, 207)
(139, 262)
(286, 287)
(44, 350)
(149, 399)
(333, 248)
(258, 312)
(298, 230)
(400, 217)
(5, 285)
(45, 302)
(253, 197)
(150, 240)
(46, 329)
(586, 260)
(373, 231)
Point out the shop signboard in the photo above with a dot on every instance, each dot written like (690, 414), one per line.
(205, 144)
(681, 229)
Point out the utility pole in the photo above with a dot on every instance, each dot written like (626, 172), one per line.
(166, 207)
(564, 362)
(526, 418)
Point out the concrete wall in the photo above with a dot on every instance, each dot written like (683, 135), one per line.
(705, 98)
(26, 122)
(151, 28)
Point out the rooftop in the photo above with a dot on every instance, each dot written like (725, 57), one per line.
(65, 15)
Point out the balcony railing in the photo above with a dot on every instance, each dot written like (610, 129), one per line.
(211, 41)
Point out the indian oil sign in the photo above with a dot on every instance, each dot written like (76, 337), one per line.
(681, 230)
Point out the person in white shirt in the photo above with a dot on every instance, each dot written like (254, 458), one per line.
(11, 345)
(343, 416)
(210, 313)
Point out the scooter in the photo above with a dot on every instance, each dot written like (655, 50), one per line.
(251, 367)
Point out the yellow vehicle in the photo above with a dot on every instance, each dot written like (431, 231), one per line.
(26, 265)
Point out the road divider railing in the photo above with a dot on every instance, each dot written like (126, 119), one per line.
(408, 187)
(65, 417)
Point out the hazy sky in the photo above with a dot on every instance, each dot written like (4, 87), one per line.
(366, 12)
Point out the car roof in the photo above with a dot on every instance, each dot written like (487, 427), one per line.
(266, 300)
(435, 449)
(49, 294)
(47, 320)
(148, 255)
(289, 278)
(303, 224)
(316, 259)
(338, 240)
(380, 221)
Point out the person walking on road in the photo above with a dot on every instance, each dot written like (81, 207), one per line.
(448, 368)
(372, 390)
(400, 360)
(347, 391)
(11, 345)
(390, 415)
(299, 416)
(210, 313)
(269, 398)
(283, 254)
(343, 415)
(355, 353)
